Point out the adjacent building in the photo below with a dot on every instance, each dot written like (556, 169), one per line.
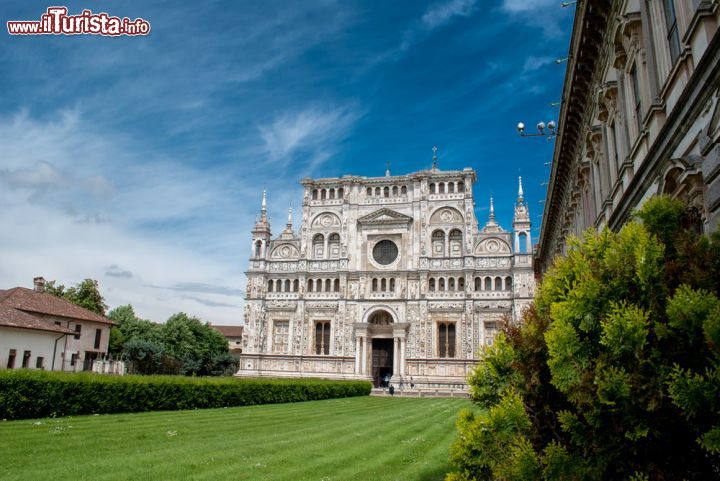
(233, 334)
(385, 276)
(640, 116)
(42, 331)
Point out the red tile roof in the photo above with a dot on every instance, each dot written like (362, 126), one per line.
(229, 331)
(10, 317)
(42, 303)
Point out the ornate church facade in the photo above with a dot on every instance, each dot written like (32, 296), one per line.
(387, 276)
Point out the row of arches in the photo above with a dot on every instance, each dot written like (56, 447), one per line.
(442, 284)
(450, 187)
(383, 285)
(332, 193)
(393, 191)
(488, 283)
(323, 285)
(457, 284)
(280, 285)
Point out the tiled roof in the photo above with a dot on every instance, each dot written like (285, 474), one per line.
(42, 303)
(10, 317)
(229, 331)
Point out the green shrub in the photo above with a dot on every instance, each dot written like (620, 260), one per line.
(34, 394)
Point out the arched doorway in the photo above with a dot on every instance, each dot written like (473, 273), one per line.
(381, 367)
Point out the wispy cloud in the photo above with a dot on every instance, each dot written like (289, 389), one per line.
(441, 13)
(543, 14)
(311, 130)
(533, 63)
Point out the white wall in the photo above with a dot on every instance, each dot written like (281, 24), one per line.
(39, 343)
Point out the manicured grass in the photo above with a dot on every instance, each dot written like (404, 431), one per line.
(364, 438)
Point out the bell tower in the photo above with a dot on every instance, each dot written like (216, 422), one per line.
(261, 233)
(521, 223)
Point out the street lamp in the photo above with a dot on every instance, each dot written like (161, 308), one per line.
(543, 130)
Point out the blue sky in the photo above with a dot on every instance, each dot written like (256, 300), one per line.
(140, 161)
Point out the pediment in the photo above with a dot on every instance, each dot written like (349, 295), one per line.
(385, 216)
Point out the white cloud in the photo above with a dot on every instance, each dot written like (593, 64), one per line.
(309, 130)
(534, 63)
(543, 14)
(441, 13)
(517, 6)
(160, 222)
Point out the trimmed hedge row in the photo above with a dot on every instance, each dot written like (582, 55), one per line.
(34, 394)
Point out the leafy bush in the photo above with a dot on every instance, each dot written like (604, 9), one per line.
(614, 374)
(34, 394)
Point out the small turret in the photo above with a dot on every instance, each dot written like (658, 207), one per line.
(261, 232)
(521, 223)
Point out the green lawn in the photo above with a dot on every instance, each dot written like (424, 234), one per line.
(364, 438)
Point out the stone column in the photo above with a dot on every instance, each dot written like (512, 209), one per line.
(403, 345)
(363, 361)
(396, 356)
(357, 354)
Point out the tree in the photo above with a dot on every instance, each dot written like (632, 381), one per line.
(201, 349)
(615, 373)
(128, 327)
(85, 294)
(144, 356)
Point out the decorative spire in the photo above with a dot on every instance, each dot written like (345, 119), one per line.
(387, 169)
(492, 210)
(520, 189)
(434, 149)
(289, 222)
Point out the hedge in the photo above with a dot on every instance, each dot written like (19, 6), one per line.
(34, 394)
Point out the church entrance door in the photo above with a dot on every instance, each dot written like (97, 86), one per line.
(382, 360)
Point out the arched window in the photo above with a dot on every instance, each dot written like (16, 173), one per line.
(498, 284)
(431, 284)
(461, 284)
(451, 188)
(332, 193)
(432, 188)
(328, 288)
(403, 190)
(438, 243)
(488, 284)
(383, 285)
(460, 187)
(380, 318)
(456, 239)
(478, 284)
(386, 192)
(322, 338)
(258, 248)
(441, 188)
(377, 191)
(451, 284)
(271, 284)
(446, 339)
(323, 194)
(508, 283)
(319, 246)
(441, 284)
(334, 245)
(369, 191)
(287, 285)
(315, 194)
(392, 285)
(341, 191)
(395, 191)
(336, 285)
(296, 285)
(522, 240)
(310, 283)
(374, 285)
